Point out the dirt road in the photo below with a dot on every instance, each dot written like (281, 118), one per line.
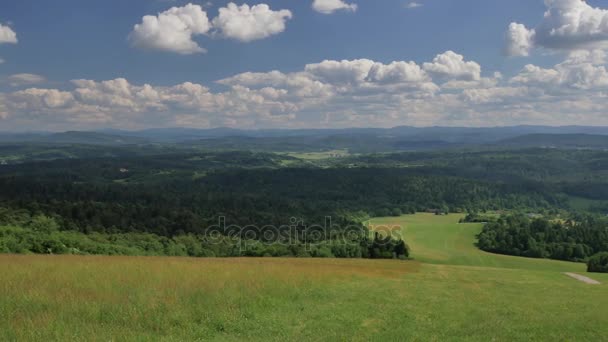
(582, 278)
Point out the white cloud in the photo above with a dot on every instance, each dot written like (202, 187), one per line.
(7, 35)
(579, 71)
(519, 40)
(35, 99)
(341, 72)
(121, 104)
(532, 74)
(397, 72)
(299, 84)
(493, 95)
(365, 77)
(330, 6)
(594, 57)
(18, 80)
(452, 65)
(413, 4)
(245, 23)
(566, 25)
(172, 30)
(450, 90)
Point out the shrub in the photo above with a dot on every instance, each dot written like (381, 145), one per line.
(598, 263)
(43, 224)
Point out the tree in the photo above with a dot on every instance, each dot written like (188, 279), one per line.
(402, 250)
(43, 224)
(396, 212)
(598, 263)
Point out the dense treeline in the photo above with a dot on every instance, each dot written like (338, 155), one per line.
(179, 204)
(581, 173)
(23, 233)
(179, 194)
(164, 197)
(573, 240)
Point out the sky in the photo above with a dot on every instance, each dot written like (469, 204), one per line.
(73, 64)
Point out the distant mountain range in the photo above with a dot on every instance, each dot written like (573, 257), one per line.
(401, 138)
(447, 134)
(73, 137)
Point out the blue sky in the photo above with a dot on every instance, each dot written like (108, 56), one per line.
(87, 39)
(64, 40)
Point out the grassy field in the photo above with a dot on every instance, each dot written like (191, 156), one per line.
(451, 292)
(441, 240)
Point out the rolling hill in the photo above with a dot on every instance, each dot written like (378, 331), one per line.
(451, 292)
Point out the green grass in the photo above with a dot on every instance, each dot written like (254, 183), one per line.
(442, 240)
(452, 292)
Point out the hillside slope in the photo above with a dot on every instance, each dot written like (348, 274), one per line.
(442, 240)
(452, 293)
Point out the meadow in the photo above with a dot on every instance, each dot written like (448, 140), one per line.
(450, 291)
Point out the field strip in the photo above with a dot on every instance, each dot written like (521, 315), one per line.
(582, 278)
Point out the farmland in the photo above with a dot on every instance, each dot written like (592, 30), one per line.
(451, 291)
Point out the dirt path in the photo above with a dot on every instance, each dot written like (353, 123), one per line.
(582, 278)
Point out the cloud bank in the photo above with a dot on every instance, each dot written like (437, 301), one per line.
(447, 90)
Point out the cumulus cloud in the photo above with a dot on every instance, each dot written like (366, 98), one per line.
(119, 103)
(18, 80)
(397, 72)
(300, 85)
(7, 35)
(172, 30)
(330, 6)
(449, 90)
(494, 94)
(245, 23)
(453, 66)
(365, 77)
(35, 99)
(594, 57)
(579, 71)
(566, 25)
(519, 40)
(341, 72)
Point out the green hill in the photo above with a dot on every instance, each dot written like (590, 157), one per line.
(442, 240)
(452, 292)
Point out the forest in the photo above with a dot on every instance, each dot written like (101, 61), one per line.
(571, 240)
(161, 200)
